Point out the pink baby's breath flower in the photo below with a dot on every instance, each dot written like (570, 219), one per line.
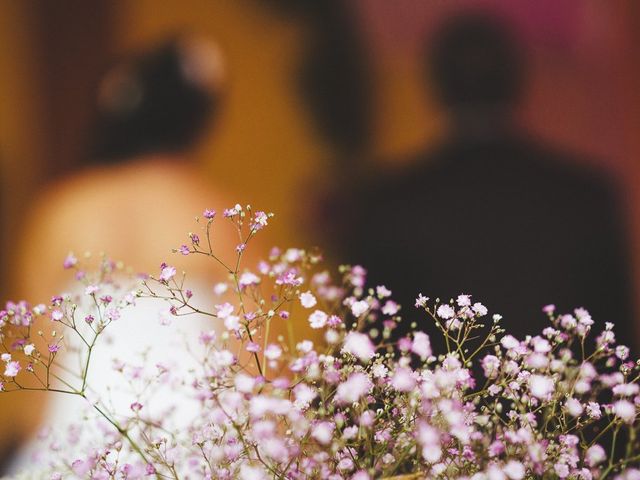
(232, 322)
(232, 212)
(209, 214)
(593, 410)
(626, 389)
(561, 469)
(359, 345)
(207, 337)
(184, 250)
(334, 321)
(57, 315)
(361, 475)
(12, 369)
(167, 273)
(259, 221)
(241, 247)
(323, 432)
(491, 366)
(354, 388)
(224, 310)
(595, 455)
(54, 347)
(403, 380)
(625, 410)
(307, 299)
(367, 419)
(541, 345)
(421, 345)
(70, 261)
(574, 407)
(304, 395)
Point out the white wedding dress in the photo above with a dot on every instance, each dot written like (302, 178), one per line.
(142, 364)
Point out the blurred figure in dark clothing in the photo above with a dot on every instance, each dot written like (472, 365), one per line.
(334, 77)
(491, 212)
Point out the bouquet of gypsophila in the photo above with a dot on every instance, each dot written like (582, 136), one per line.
(353, 404)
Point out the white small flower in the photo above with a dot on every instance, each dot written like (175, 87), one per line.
(244, 383)
(332, 337)
(167, 273)
(574, 407)
(318, 319)
(421, 301)
(622, 352)
(625, 410)
(595, 455)
(464, 300)
(446, 311)
(359, 307)
(308, 300)
(509, 342)
(421, 345)
(323, 432)
(248, 278)
(479, 309)
(232, 322)
(359, 345)
(273, 351)
(379, 370)
(514, 470)
(390, 308)
(541, 386)
(220, 288)
(305, 346)
(382, 291)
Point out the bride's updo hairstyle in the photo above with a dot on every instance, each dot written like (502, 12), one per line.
(158, 102)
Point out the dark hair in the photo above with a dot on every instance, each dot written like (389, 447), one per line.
(476, 61)
(151, 104)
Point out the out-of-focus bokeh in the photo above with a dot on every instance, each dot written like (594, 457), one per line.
(316, 93)
(582, 86)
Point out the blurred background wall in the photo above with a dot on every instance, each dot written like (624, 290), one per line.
(583, 89)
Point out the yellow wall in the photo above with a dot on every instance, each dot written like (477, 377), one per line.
(263, 146)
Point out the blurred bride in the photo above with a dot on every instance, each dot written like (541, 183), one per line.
(137, 200)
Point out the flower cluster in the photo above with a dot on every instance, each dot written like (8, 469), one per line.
(355, 401)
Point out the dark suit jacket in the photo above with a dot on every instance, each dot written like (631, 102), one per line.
(513, 223)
